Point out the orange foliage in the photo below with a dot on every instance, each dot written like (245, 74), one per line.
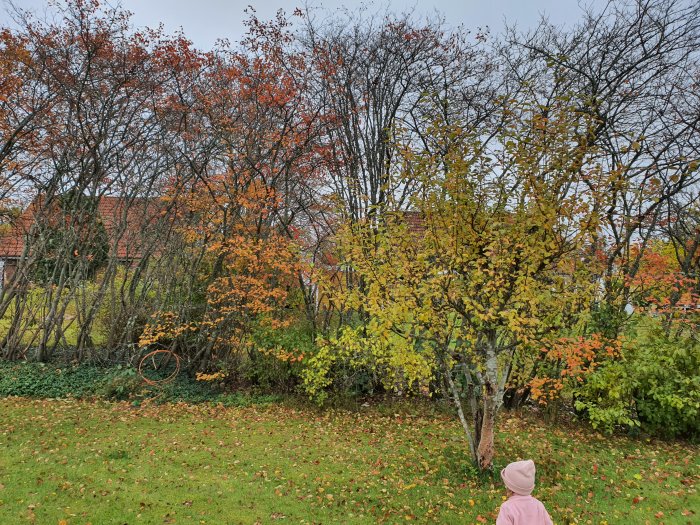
(250, 268)
(572, 358)
(254, 103)
(661, 286)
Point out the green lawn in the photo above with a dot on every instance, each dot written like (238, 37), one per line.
(78, 462)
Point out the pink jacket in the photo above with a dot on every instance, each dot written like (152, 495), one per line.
(523, 510)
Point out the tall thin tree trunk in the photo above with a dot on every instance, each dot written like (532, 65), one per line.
(458, 405)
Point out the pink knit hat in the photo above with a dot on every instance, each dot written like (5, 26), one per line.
(520, 477)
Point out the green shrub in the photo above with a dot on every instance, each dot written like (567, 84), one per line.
(276, 362)
(667, 384)
(81, 243)
(608, 320)
(122, 384)
(656, 385)
(606, 397)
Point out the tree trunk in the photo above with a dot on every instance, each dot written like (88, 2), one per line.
(492, 399)
(485, 452)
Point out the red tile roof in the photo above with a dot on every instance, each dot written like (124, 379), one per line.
(123, 224)
(12, 243)
(128, 219)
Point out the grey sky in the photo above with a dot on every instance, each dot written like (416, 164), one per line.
(203, 21)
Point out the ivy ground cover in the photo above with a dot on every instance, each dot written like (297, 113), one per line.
(72, 462)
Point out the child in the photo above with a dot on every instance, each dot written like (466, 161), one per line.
(521, 508)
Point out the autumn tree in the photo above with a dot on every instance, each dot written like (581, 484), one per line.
(462, 299)
(21, 107)
(245, 274)
(378, 79)
(640, 87)
(243, 189)
(98, 138)
(681, 228)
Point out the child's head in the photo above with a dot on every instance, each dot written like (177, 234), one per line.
(519, 477)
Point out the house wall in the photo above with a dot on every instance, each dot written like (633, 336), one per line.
(8, 267)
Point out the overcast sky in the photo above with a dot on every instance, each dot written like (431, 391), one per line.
(204, 21)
